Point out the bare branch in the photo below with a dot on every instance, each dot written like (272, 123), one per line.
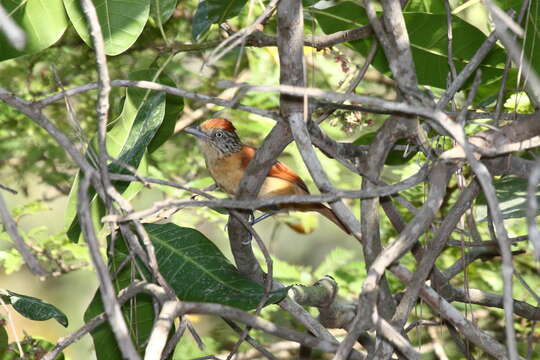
(448, 312)
(108, 296)
(24, 250)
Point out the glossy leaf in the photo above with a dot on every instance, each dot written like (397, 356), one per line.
(198, 271)
(195, 269)
(428, 37)
(214, 12)
(43, 22)
(201, 22)
(512, 196)
(149, 119)
(173, 105)
(33, 308)
(122, 21)
(532, 35)
(165, 9)
(128, 141)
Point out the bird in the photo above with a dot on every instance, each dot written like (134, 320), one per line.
(227, 158)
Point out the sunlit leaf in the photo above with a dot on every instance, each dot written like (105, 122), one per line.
(43, 22)
(165, 8)
(512, 196)
(3, 339)
(428, 37)
(122, 21)
(128, 140)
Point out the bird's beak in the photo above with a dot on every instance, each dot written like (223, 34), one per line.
(196, 131)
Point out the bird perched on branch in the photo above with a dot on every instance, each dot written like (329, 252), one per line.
(227, 159)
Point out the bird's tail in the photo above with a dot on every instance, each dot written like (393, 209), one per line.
(330, 215)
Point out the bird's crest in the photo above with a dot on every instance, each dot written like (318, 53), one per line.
(218, 123)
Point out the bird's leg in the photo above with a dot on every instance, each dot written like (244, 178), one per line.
(212, 187)
(261, 218)
(251, 219)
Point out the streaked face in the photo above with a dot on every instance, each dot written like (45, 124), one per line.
(224, 142)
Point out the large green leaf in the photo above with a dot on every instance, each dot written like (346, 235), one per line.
(532, 35)
(128, 140)
(512, 196)
(148, 121)
(214, 12)
(33, 308)
(43, 22)
(195, 269)
(198, 271)
(173, 105)
(428, 37)
(122, 21)
(426, 6)
(165, 9)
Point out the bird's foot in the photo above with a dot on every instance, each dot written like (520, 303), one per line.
(260, 218)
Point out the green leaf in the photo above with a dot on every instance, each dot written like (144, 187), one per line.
(43, 22)
(122, 21)
(135, 128)
(173, 105)
(426, 6)
(428, 37)
(149, 119)
(512, 195)
(198, 271)
(195, 269)
(138, 313)
(165, 8)
(201, 22)
(3, 339)
(33, 308)
(532, 35)
(395, 157)
(214, 12)
(520, 103)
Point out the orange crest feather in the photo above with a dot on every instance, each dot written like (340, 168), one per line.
(218, 123)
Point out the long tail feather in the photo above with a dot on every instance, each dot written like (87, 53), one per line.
(330, 215)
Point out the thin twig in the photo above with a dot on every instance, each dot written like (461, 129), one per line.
(108, 295)
(8, 189)
(240, 36)
(24, 250)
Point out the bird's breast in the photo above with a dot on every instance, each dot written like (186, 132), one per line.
(227, 172)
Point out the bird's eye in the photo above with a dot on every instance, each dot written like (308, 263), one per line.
(219, 134)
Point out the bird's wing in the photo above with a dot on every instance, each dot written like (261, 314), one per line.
(278, 170)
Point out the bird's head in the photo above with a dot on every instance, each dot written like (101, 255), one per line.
(217, 135)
